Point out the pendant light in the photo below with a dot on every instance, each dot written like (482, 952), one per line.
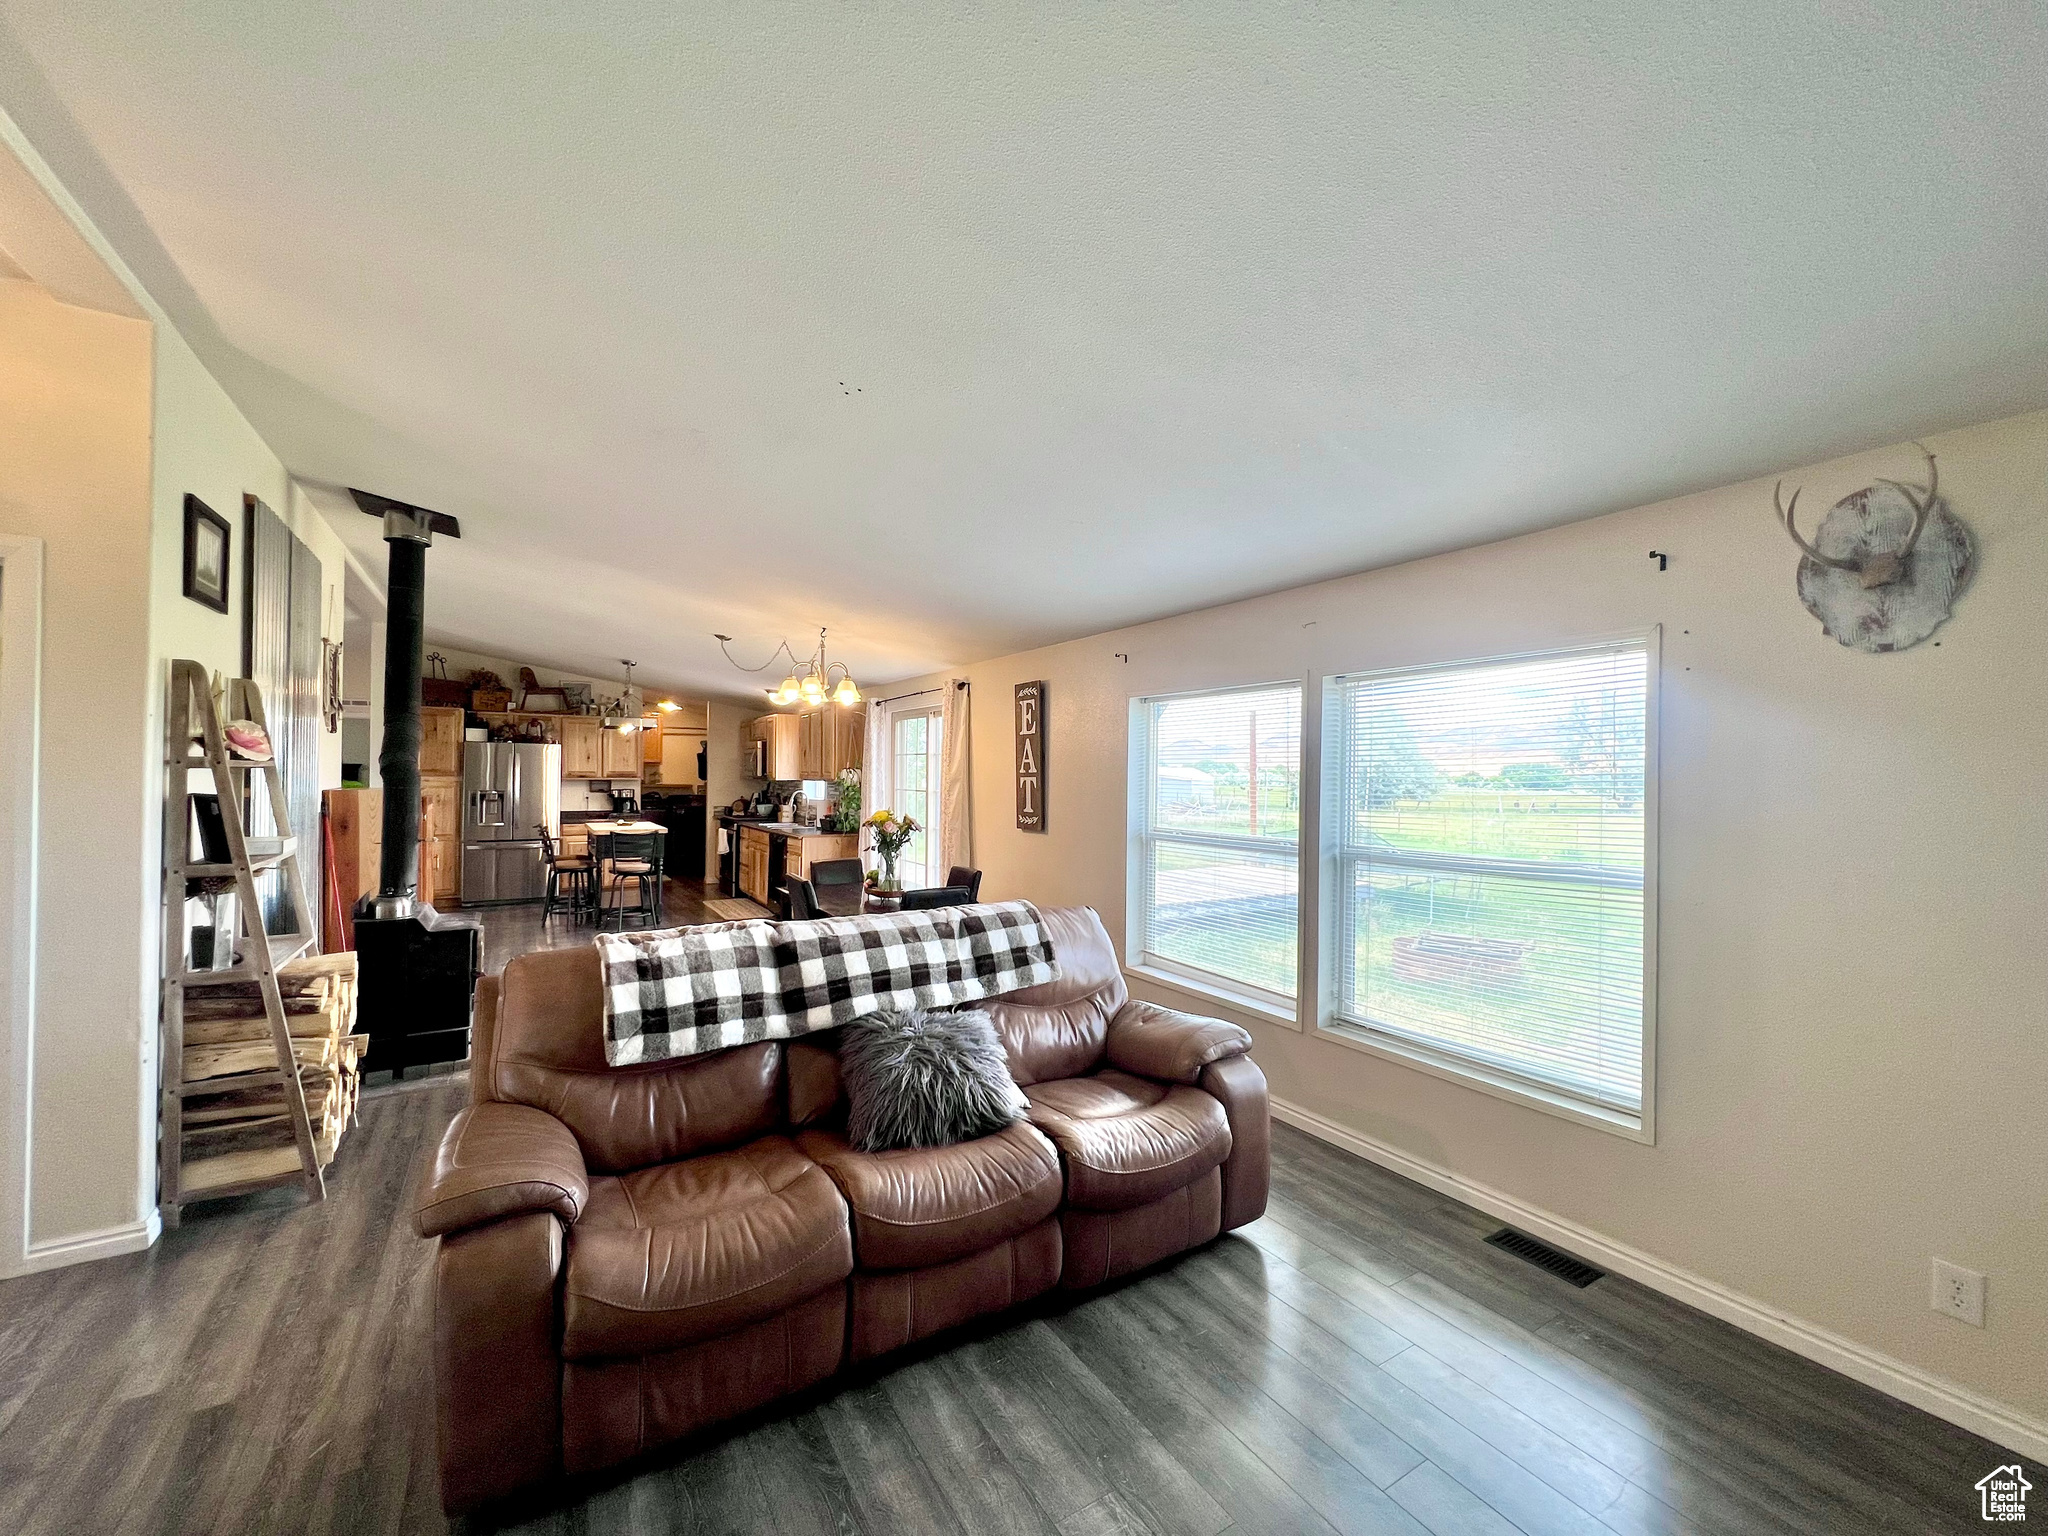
(617, 717)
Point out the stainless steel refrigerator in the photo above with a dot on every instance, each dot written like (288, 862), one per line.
(510, 790)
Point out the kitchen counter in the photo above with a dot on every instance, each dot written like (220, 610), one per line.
(776, 828)
(785, 850)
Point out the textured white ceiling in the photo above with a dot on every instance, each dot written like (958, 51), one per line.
(964, 332)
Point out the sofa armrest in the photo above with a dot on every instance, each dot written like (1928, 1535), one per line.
(497, 1160)
(1238, 1084)
(1168, 1045)
(483, 1038)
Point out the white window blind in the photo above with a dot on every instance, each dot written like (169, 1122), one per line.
(1491, 908)
(1218, 834)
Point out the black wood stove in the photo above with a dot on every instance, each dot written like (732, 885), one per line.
(416, 968)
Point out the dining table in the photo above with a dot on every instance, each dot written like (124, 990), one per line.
(853, 900)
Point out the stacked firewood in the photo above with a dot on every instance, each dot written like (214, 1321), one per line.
(228, 1038)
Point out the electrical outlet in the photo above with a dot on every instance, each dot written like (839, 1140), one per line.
(1958, 1293)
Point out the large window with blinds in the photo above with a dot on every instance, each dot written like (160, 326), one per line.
(1216, 818)
(1492, 831)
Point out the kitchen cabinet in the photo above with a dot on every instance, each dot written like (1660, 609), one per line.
(783, 736)
(831, 739)
(802, 853)
(754, 864)
(847, 741)
(650, 742)
(618, 754)
(444, 871)
(582, 750)
(441, 742)
(441, 837)
(811, 728)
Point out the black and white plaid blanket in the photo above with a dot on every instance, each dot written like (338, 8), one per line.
(683, 991)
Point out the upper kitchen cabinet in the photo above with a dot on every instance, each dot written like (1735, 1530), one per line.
(831, 740)
(618, 754)
(650, 742)
(441, 741)
(812, 728)
(847, 740)
(582, 750)
(783, 736)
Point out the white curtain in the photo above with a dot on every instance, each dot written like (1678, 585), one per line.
(874, 770)
(956, 830)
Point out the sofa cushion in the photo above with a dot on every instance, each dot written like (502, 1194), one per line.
(544, 1046)
(1127, 1141)
(669, 1255)
(929, 1205)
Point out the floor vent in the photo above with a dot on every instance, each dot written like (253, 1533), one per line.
(1543, 1256)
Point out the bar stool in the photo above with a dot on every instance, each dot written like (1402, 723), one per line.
(635, 857)
(572, 882)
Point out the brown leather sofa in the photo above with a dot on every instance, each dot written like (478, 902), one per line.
(629, 1254)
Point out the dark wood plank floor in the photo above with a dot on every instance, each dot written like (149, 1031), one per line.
(510, 931)
(1359, 1361)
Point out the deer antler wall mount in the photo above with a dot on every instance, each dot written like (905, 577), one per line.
(1886, 564)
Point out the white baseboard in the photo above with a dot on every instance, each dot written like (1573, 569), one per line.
(1944, 1399)
(106, 1243)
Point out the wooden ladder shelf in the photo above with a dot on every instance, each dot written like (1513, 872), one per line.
(237, 1062)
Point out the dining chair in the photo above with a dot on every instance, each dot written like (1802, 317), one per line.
(934, 896)
(571, 882)
(833, 877)
(961, 875)
(630, 858)
(800, 901)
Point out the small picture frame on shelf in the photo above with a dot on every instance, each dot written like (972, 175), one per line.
(576, 698)
(212, 828)
(208, 545)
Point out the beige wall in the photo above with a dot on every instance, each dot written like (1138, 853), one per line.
(75, 394)
(1853, 1058)
(107, 420)
(728, 771)
(206, 447)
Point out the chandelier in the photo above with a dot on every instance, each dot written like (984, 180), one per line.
(809, 680)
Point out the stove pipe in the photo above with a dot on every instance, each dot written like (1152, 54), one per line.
(408, 530)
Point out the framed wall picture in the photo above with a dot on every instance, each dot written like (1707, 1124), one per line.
(206, 555)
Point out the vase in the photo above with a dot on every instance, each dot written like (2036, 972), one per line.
(888, 880)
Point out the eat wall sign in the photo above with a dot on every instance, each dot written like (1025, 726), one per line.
(1031, 757)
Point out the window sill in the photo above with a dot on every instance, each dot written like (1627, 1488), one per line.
(1469, 1075)
(1265, 1012)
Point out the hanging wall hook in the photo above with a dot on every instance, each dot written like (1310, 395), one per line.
(1663, 560)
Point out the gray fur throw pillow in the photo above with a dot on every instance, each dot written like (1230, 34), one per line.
(920, 1079)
